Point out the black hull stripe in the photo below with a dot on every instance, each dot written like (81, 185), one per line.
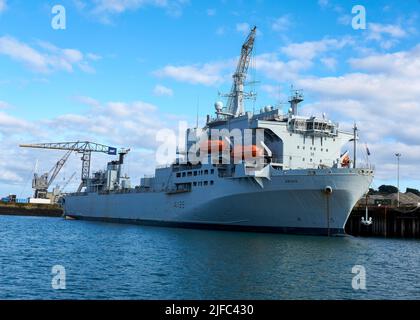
(211, 226)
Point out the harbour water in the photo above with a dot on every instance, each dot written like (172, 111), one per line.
(111, 261)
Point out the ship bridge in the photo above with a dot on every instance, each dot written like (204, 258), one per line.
(313, 126)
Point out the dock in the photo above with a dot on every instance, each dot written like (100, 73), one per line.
(388, 221)
(31, 209)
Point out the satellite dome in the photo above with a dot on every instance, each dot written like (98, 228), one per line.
(218, 106)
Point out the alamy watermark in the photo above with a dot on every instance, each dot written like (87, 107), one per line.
(359, 20)
(58, 21)
(359, 280)
(215, 146)
(58, 281)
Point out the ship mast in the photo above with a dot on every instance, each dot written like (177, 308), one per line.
(235, 104)
(354, 145)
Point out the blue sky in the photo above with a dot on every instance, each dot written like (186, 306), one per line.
(121, 70)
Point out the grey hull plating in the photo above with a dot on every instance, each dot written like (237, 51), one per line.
(293, 201)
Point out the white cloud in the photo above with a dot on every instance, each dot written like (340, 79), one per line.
(132, 124)
(310, 49)
(161, 90)
(93, 57)
(323, 3)
(406, 63)
(4, 105)
(377, 30)
(106, 9)
(384, 100)
(121, 124)
(87, 101)
(274, 92)
(345, 19)
(50, 59)
(282, 23)
(7, 175)
(211, 12)
(207, 74)
(23, 53)
(273, 68)
(3, 5)
(10, 125)
(386, 35)
(220, 31)
(269, 64)
(302, 58)
(243, 28)
(330, 63)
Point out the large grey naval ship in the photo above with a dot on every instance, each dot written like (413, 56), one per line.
(267, 171)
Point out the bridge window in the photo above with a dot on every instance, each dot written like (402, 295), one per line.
(183, 174)
(206, 183)
(206, 171)
(178, 175)
(195, 173)
(211, 182)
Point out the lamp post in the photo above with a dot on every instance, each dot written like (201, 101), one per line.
(398, 155)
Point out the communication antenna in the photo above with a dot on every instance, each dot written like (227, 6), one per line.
(198, 108)
(36, 166)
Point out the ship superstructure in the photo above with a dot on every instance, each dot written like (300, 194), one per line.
(269, 171)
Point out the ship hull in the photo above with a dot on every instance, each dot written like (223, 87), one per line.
(293, 201)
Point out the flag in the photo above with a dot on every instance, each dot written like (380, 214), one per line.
(112, 151)
(367, 150)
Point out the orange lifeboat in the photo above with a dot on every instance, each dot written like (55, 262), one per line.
(214, 145)
(248, 151)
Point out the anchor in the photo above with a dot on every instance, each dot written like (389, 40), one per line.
(366, 220)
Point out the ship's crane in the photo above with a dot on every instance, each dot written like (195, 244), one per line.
(67, 182)
(41, 183)
(235, 104)
(84, 147)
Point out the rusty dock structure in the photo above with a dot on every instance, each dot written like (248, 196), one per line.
(389, 222)
(31, 210)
